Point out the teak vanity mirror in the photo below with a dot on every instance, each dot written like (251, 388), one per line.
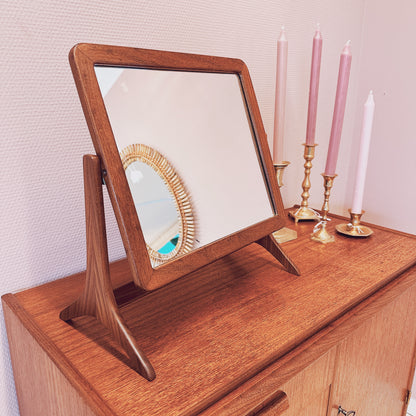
(181, 147)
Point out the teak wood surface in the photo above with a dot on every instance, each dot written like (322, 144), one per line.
(83, 58)
(218, 332)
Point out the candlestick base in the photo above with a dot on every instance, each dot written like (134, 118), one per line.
(285, 234)
(354, 228)
(304, 214)
(321, 234)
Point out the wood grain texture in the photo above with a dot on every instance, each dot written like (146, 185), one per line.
(82, 58)
(220, 330)
(258, 401)
(278, 405)
(270, 244)
(319, 344)
(309, 388)
(41, 387)
(97, 298)
(374, 362)
(308, 391)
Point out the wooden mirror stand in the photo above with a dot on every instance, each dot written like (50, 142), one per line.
(98, 298)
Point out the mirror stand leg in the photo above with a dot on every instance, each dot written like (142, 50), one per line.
(98, 298)
(270, 244)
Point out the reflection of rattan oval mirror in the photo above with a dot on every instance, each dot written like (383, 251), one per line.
(161, 202)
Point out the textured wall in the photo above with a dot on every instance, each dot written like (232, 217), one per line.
(44, 134)
(388, 66)
(390, 180)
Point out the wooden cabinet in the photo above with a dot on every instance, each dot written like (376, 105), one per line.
(374, 362)
(309, 390)
(239, 337)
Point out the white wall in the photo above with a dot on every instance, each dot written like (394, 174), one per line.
(44, 134)
(388, 66)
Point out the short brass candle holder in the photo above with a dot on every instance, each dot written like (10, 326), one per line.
(284, 234)
(320, 233)
(279, 168)
(354, 228)
(304, 213)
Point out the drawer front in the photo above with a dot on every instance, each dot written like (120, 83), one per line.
(305, 393)
(308, 391)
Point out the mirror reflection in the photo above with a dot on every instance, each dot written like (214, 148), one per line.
(155, 206)
(161, 202)
(200, 124)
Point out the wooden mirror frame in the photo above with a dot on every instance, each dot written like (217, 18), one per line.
(83, 58)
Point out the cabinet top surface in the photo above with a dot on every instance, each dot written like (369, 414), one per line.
(214, 329)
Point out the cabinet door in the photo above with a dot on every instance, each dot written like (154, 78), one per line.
(374, 364)
(308, 391)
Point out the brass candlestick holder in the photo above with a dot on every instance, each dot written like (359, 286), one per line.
(279, 168)
(354, 228)
(304, 213)
(320, 233)
(284, 234)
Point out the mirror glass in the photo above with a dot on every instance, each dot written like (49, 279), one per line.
(155, 206)
(161, 201)
(199, 123)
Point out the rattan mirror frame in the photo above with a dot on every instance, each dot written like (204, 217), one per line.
(142, 153)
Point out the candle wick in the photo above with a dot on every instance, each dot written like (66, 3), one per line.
(318, 27)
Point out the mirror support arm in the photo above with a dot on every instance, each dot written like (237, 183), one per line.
(270, 244)
(97, 298)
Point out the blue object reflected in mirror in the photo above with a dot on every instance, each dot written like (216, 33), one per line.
(161, 201)
(170, 246)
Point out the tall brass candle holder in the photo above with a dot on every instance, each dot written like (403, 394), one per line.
(354, 228)
(284, 234)
(304, 213)
(320, 233)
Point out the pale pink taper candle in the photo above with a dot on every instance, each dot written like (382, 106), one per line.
(357, 202)
(314, 87)
(280, 97)
(339, 109)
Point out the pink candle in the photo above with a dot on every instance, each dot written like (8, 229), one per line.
(314, 87)
(357, 202)
(339, 109)
(280, 97)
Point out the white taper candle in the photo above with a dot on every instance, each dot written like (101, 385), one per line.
(366, 129)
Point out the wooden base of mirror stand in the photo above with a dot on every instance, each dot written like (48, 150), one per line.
(97, 298)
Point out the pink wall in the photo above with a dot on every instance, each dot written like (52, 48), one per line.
(388, 68)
